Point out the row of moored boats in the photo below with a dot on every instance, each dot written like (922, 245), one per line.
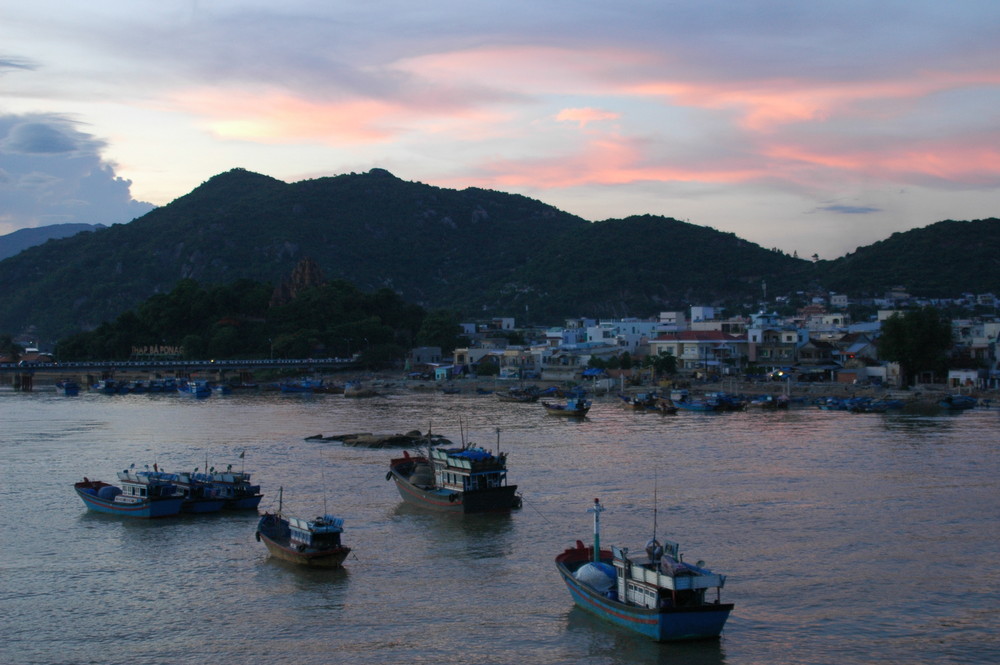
(659, 596)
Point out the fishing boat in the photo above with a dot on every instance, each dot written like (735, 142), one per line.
(520, 395)
(957, 402)
(315, 543)
(468, 479)
(235, 487)
(197, 388)
(640, 401)
(771, 402)
(663, 598)
(200, 492)
(143, 494)
(69, 388)
(304, 385)
(666, 406)
(574, 407)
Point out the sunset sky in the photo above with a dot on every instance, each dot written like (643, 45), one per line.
(813, 127)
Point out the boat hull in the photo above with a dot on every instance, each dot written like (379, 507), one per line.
(703, 622)
(314, 559)
(249, 502)
(203, 505)
(560, 410)
(147, 509)
(493, 500)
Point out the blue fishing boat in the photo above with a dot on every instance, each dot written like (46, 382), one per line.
(315, 543)
(199, 491)
(107, 387)
(235, 487)
(143, 494)
(455, 480)
(69, 388)
(301, 386)
(957, 402)
(574, 407)
(196, 388)
(663, 598)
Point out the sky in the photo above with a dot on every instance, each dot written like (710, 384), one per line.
(810, 126)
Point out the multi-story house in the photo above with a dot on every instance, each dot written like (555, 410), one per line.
(709, 351)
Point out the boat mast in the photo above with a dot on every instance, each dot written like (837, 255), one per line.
(597, 510)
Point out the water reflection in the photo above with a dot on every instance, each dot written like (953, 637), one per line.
(608, 643)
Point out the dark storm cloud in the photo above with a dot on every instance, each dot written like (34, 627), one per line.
(51, 172)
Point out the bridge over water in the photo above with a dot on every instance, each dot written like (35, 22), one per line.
(27, 376)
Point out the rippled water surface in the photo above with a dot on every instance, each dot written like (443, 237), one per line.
(846, 538)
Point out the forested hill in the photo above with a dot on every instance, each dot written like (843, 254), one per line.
(477, 252)
(942, 260)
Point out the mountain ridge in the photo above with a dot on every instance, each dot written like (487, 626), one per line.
(478, 252)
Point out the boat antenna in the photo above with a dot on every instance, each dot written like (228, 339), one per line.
(597, 509)
(324, 493)
(656, 482)
(281, 493)
(498, 441)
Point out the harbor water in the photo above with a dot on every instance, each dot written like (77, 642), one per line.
(846, 538)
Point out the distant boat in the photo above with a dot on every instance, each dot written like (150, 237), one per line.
(574, 407)
(301, 386)
(641, 401)
(663, 598)
(455, 480)
(522, 395)
(315, 543)
(356, 389)
(143, 494)
(769, 402)
(958, 402)
(69, 388)
(198, 388)
(106, 387)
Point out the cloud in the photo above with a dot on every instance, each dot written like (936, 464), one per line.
(849, 210)
(53, 173)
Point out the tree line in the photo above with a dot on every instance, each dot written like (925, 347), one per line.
(239, 320)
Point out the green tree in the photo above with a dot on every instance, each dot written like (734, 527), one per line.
(662, 363)
(440, 328)
(918, 340)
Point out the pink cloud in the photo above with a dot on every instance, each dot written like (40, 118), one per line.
(767, 104)
(967, 160)
(584, 116)
(276, 116)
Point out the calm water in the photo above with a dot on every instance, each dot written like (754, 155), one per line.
(846, 538)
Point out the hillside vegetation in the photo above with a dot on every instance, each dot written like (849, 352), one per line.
(475, 252)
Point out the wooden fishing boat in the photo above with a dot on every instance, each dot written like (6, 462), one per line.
(641, 401)
(468, 479)
(315, 543)
(521, 395)
(663, 598)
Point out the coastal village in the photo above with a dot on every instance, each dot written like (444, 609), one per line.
(820, 344)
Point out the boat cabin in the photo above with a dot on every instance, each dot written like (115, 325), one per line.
(468, 469)
(138, 486)
(664, 581)
(321, 533)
